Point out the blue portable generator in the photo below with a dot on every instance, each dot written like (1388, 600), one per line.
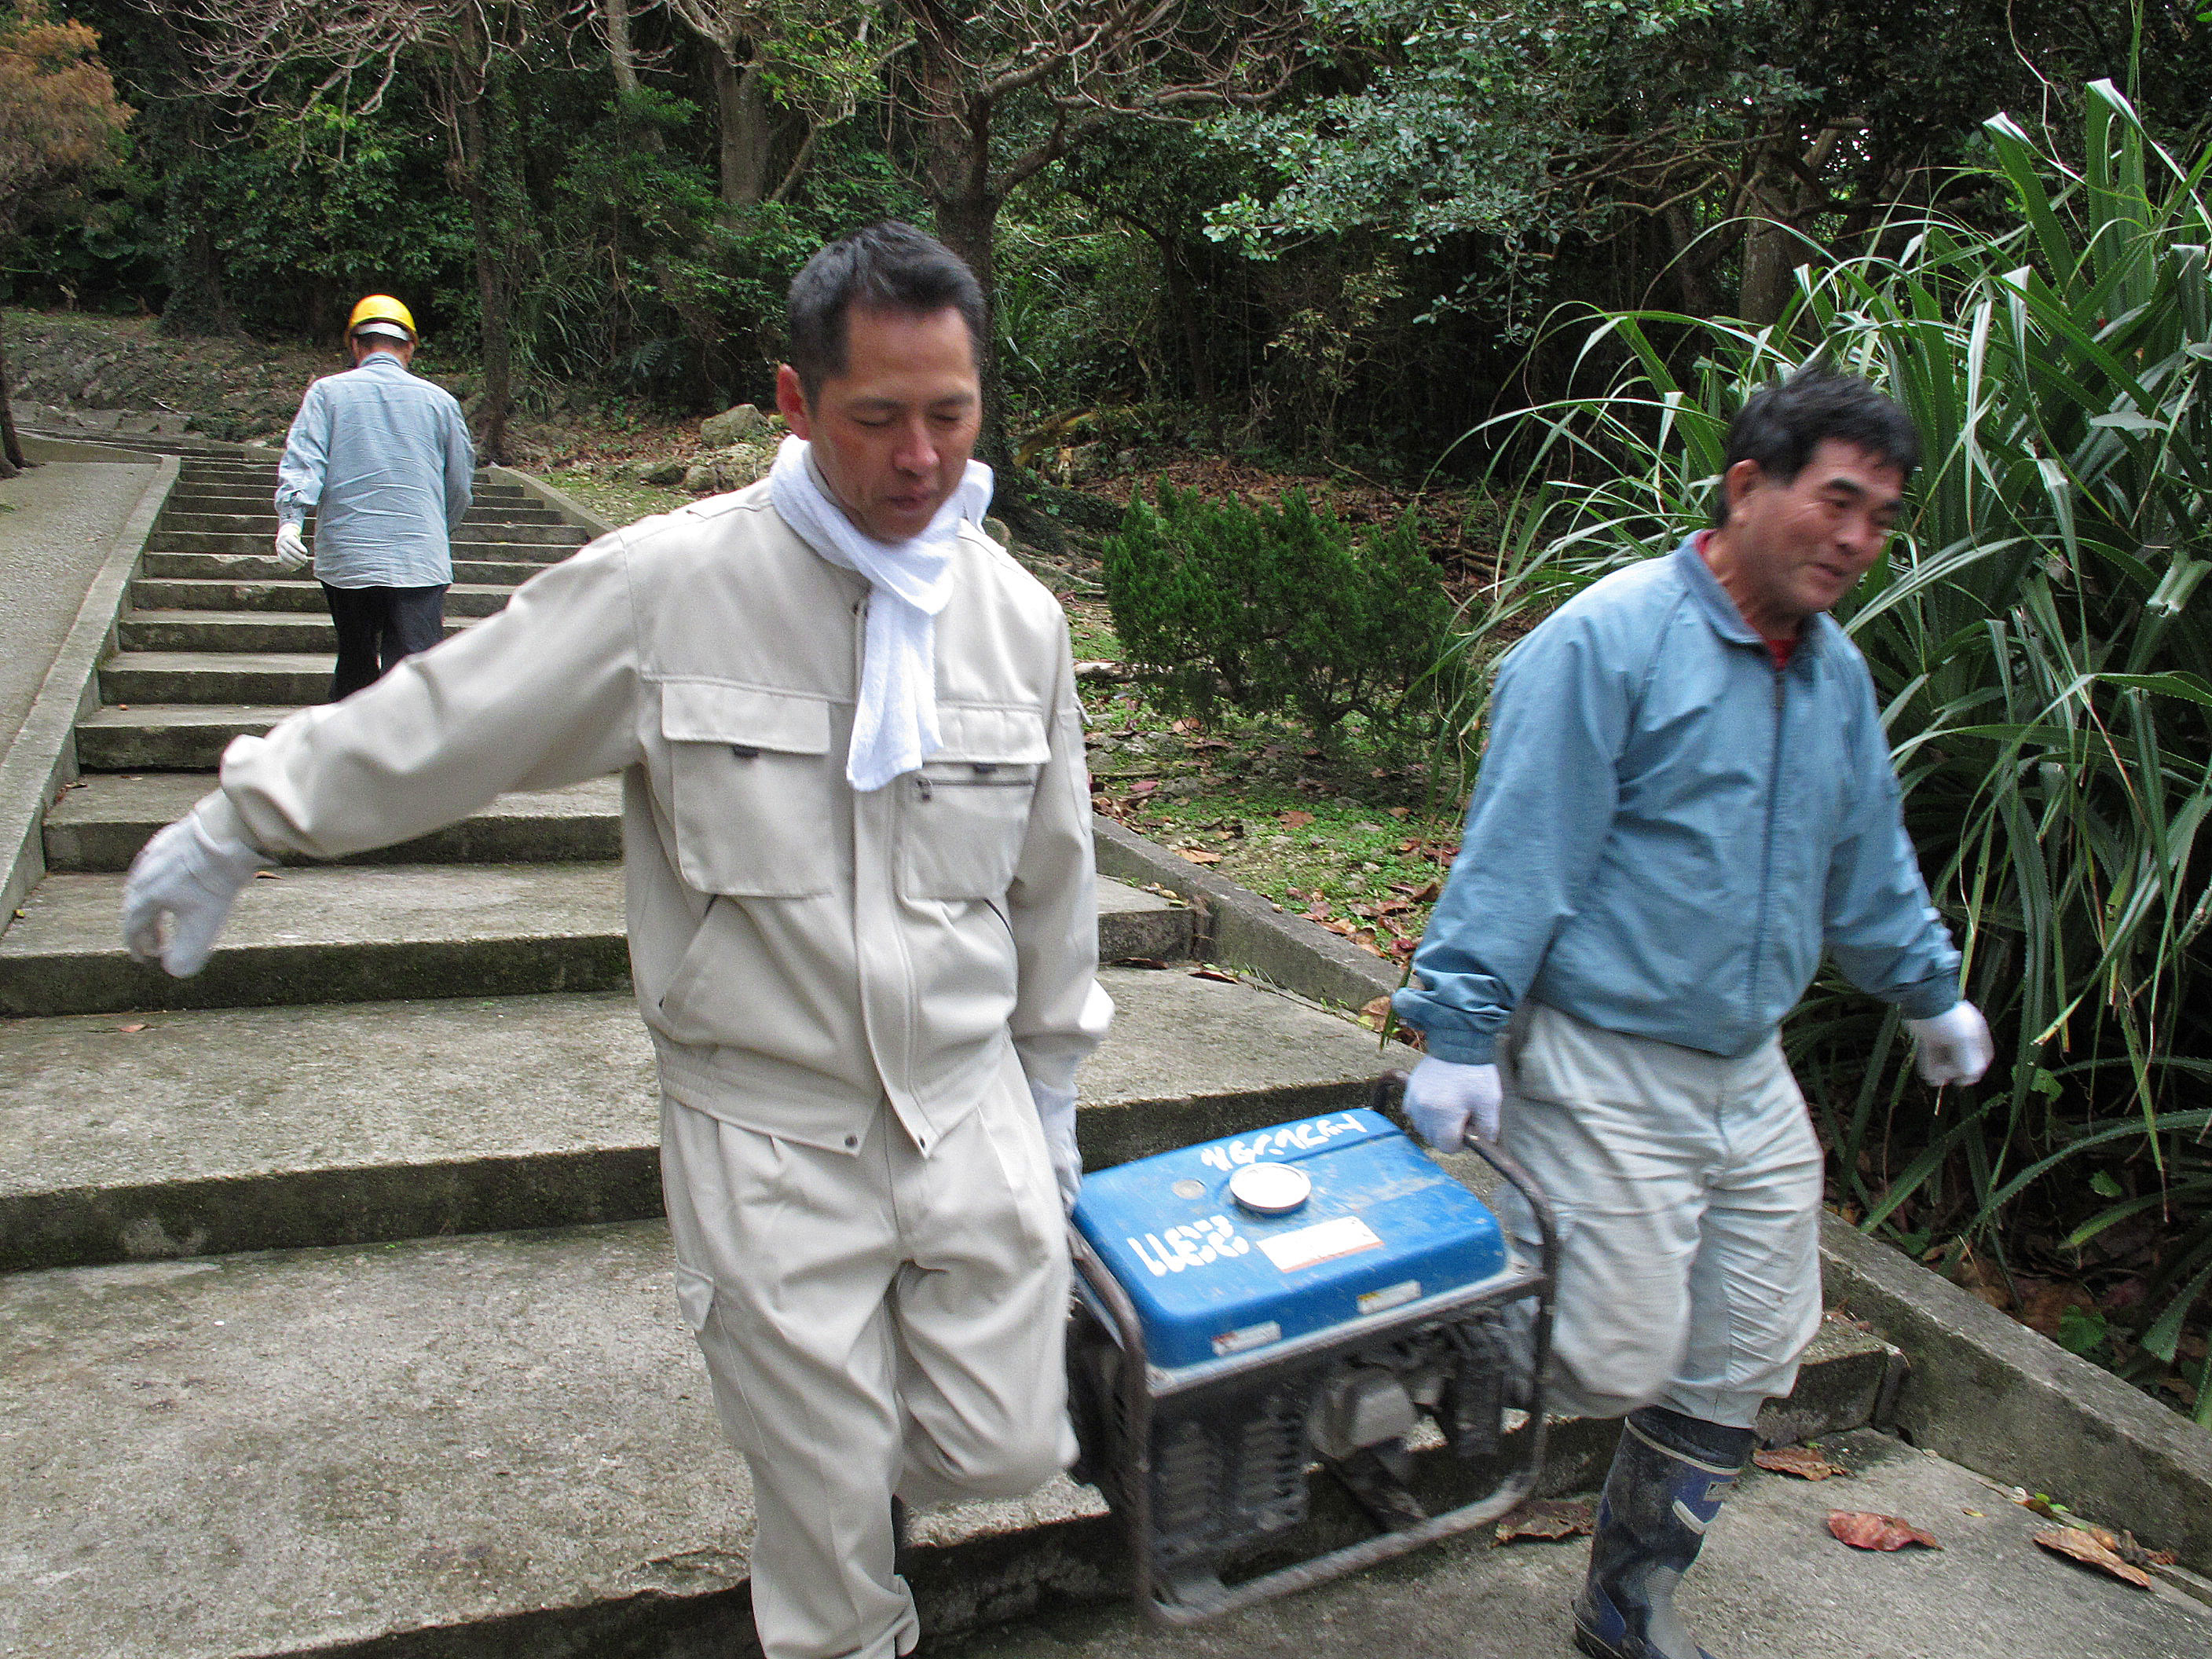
(1320, 1295)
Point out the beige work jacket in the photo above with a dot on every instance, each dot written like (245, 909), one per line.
(801, 951)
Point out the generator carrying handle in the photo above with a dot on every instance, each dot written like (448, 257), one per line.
(1387, 1100)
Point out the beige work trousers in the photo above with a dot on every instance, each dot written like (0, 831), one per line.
(1687, 1191)
(871, 1321)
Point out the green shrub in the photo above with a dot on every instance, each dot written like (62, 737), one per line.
(1274, 609)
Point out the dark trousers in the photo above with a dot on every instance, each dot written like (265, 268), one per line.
(377, 626)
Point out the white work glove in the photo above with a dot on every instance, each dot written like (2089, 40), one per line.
(1445, 1099)
(191, 877)
(291, 548)
(1955, 1047)
(1055, 1109)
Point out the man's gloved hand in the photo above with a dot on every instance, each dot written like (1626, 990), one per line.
(291, 548)
(1055, 1109)
(190, 877)
(1444, 1100)
(1955, 1047)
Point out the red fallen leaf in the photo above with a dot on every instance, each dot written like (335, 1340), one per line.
(1864, 1531)
(1800, 1461)
(1146, 787)
(1198, 856)
(1295, 820)
(1137, 962)
(1215, 973)
(2079, 1545)
(126, 1030)
(1372, 1014)
(1547, 1518)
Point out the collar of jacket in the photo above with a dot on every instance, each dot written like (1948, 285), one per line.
(376, 357)
(1814, 640)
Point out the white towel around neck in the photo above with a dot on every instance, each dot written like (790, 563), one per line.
(895, 725)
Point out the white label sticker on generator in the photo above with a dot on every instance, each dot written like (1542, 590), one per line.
(1252, 1336)
(1347, 1235)
(1390, 1297)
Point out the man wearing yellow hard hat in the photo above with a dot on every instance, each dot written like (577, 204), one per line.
(382, 459)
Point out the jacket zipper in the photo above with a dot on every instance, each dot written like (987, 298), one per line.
(1767, 856)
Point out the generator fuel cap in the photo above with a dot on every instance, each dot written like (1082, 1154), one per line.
(1270, 1188)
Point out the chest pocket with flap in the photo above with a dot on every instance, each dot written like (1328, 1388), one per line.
(749, 780)
(964, 813)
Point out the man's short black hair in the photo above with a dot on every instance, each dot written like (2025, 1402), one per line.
(1781, 425)
(890, 266)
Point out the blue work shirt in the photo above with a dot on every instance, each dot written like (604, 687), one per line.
(1667, 830)
(384, 458)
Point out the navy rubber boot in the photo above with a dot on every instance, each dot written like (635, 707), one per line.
(1669, 1477)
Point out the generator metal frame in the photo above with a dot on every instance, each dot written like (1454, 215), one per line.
(1138, 1387)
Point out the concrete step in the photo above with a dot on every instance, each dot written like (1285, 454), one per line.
(211, 1132)
(173, 525)
(225, 677)
(517, 563)
(1771, 1582)
(504, 1445)
(161, 545)
(315, 933)
(235, 630)
(101, 823)
(287, 595)
(167, 737)
(198, 495)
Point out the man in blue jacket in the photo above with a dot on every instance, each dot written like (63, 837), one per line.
(1686, 796)
(382, 459)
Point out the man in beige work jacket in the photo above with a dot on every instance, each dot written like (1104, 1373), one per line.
(861, 918)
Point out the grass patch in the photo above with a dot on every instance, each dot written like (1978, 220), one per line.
(619, 502)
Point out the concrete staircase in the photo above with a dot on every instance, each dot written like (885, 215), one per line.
(336, 1315)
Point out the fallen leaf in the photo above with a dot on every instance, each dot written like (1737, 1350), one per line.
(1373, 1014)
(1547, 1518)
(1137, 962)
(127, 1029)
(2044, 1504)
(267, 875)
(1197, 855)
(1401, 811)
(1215, 973)
(1862, 1530)
(1296, 820)
(2079, 1545)
(1800, 1461)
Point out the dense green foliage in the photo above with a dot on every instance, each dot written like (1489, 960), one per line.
(1276, 609)
(1350, 262)
(2041, 641)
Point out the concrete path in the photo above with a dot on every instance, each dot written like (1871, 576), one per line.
(1771, 1584)
(55, 522)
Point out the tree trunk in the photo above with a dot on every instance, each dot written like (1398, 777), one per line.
(472, 170)
(748, 130)
(11, 446)
(620, 51)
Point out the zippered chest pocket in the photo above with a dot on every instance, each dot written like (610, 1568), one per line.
(751, 786)
(963, 817)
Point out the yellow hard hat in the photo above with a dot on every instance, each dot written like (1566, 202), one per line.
(380, 308)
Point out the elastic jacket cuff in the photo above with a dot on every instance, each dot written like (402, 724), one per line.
(223, 825)
(1931, 997)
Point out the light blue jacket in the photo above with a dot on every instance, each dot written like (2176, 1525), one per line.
(1667, 830)
(384, 458)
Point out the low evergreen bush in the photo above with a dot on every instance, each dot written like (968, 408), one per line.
(1276, 610)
